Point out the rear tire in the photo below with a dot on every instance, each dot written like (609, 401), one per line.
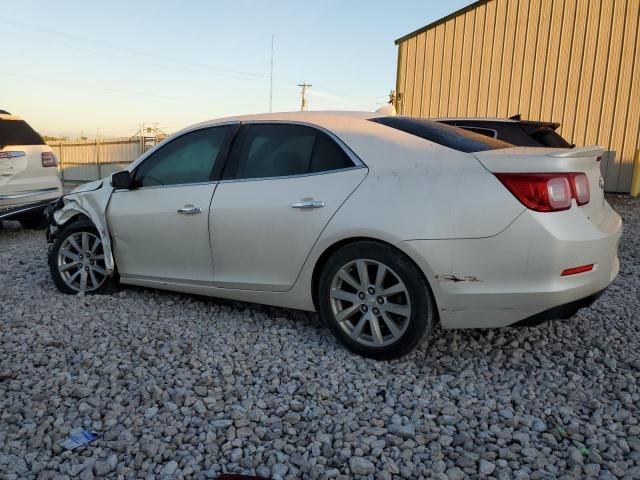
(76, 261)
(375, 300)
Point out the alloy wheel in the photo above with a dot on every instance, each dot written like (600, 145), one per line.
(81, 262)
(370, 302)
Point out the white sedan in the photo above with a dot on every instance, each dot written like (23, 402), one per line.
(382, 224)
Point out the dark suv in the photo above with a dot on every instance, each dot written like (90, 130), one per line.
(514, 130)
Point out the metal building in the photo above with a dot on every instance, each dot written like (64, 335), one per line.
(576, 62)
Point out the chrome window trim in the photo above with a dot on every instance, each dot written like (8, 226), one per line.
(358, 163)
(152, 187)
(310, 174)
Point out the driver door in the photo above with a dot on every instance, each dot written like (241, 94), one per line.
(160, 228)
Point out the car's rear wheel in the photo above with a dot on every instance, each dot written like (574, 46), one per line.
(77, 261)
(375, 300)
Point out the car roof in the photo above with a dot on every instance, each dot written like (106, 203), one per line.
(318, 117)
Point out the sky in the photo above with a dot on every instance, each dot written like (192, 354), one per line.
(70, 67)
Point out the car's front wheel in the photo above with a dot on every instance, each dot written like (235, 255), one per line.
(77, 261)
(375, 300)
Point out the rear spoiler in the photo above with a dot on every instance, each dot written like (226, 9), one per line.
(591, 151)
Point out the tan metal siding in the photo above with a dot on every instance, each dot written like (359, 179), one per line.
(436, 74)
(476, 61)
(508, 54)
(530, 48)
(518, 57)
(447, 60)
(550, 72)
(576, 62)
(631, 132)
(465, 67)
(419, 72)
(487, 55)
(458, 49)
(623, 88)
(428, 75)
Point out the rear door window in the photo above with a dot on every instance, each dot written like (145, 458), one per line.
(18, 132)
(283, 150)
(327, 155)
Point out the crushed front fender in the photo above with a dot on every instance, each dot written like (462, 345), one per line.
(91, 201)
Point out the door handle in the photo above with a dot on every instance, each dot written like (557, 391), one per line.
(308, 203)
(189, 210)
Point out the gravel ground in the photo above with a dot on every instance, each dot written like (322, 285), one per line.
(181, 386)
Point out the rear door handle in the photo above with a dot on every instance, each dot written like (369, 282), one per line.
(308, 203)
(189, 210)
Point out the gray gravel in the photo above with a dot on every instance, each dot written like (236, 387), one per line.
(186, 387)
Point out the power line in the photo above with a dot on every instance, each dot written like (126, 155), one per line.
(134, 52)
(116, 90)
(127, 49)
(135, 60)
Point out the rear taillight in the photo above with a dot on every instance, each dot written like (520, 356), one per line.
(49, 159)
(581, 188)
(547, 192)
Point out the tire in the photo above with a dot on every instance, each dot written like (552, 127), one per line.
(96, 282)
(33, 220)
(388, 320)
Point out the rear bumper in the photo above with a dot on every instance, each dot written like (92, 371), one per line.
(561, 312)
(515, 275)
(12, 200)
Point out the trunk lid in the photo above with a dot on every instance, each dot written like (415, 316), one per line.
(13, 160)
(551, 160)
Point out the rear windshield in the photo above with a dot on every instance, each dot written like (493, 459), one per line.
(445, 135)
(18, 132)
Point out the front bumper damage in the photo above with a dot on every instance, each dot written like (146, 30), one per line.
(90, 202)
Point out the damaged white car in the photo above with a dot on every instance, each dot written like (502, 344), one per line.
(382, 224)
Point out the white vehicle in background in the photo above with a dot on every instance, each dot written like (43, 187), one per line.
(28, 173)
(382, 224)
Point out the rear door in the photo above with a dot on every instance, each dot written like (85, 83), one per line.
(282, 185)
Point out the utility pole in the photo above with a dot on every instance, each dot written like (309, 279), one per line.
(303, 103)
(271, 79)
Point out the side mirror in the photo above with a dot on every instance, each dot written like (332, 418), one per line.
(121, 180)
